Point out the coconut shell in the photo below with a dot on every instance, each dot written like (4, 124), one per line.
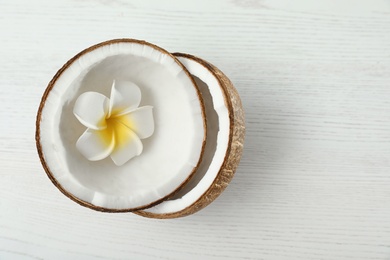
(233, 153)
(39, 118)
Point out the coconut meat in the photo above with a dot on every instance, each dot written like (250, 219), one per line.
(216, 145)
(169, 156)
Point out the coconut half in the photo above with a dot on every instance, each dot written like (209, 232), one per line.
(170, 156)
(224, 143)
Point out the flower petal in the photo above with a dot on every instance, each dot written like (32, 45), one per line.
(96, 144)
(127, 145)
(140, 121)
(125, 96)
(91, 109)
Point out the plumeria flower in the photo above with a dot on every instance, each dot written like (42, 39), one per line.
(115, 125)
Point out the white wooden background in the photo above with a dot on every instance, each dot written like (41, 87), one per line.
(314, 77)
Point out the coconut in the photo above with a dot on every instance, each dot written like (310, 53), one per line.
(224, 143)
(161, 164)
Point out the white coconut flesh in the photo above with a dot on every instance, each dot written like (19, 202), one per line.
(169, 156)
(218, 125)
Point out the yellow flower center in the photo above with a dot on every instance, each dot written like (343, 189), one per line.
(117, 128)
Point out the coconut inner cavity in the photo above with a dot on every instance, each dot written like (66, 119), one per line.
(211, 140)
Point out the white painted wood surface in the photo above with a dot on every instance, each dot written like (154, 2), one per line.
(314, 77)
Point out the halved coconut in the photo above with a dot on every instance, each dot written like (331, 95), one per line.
(224, 143)
(169, 157)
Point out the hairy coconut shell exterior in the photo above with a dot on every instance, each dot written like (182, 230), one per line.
(39, 118)
(233, 153)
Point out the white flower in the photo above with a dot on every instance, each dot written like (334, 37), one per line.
(115, 125)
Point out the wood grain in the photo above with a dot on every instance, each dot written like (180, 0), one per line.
(314, 78)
